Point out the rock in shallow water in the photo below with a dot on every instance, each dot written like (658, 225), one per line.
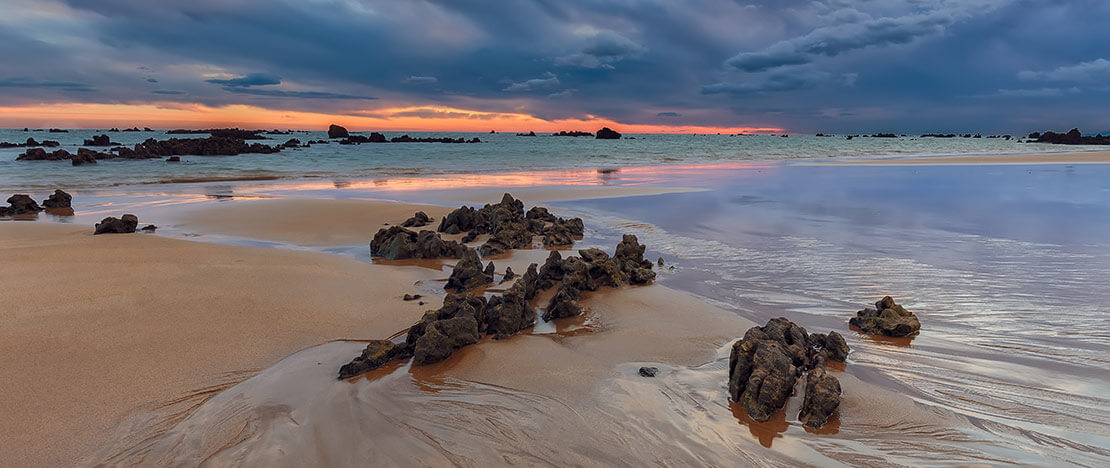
(376, 354)
(887, 318)
(396, 243)
(468, 273)
(822, 398)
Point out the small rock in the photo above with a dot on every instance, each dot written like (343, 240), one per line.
(173, 159)
(418, 220)
(649, 371)
(411, 297)
(508, 274)
(376, 354)
(149, 228)
(887, 318)
(59, 199)
(124, 225)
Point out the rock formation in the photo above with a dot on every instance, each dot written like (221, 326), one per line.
(509, 226)
(396, 243)
(420, 219)
(468, 273)
(765, 364)
(887, 318)
(1072, 137)
(124, 225)
(607, 133)
(335, 131)
(58, 199)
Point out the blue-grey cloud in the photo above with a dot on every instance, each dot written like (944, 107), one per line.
(251, 79)
(668, 114)
(23, 82)
(294, 94)
(421, 80)
(548, 80)
(169, 92)
(1095, 71)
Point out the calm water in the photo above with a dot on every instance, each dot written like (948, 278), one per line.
(497, 153)
(1005, 266)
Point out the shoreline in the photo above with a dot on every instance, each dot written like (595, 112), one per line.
(1075, 157)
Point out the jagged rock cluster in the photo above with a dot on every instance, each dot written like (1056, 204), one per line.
(510, 227)
(1072, 137)
(19, 204)
(236, 133)
(100, 140)
(336, 131)
(30, 143)
(887, 318)
(151, 148)
(765, 364)
(396, 243)
(465, 318)
(420, 219)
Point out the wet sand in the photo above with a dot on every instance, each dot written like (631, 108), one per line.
(95, 329)
(1090, 157)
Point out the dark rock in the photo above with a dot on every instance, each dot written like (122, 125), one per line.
(649, 371)
(291, 143)
(831, 346)
(377, 353)
(124, 225)
(396, 242)
(565, 133)
(551, 271)
(540, 213)
(468, 273)
(420, 219)
(149, 228)
(1073, 137)
(531, 134)
(83, 156)
(100, 140)
(563, 304)
(376, 137)
(761, 376)
(607, 133)
(22, 204)
(33, 154)
(887, 318)
(173, 159)
(630, 256)
(58, 199)
(443, 337)
(411, 297)
(232, 133)
(508, 274)
(822, 398)
(469, 237)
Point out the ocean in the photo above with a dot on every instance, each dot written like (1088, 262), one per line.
(501, 152)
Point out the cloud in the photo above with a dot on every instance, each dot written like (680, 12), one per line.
(251, 79)
(20, 82)
(169, 92)
(668, 114)
(548, 80)
(1031, 93)
(293, 94)
(1095, 71)
(563, 94)
(602, 50)
(420, 80)
(831, 41)
(779, 80)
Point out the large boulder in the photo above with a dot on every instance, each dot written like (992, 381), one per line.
(607, 133)
(124, 225)
(822, 398)
(376, 354)
(761, 376)
(335, 131)
(22, 204)
(396, 242)
(58, 199)
(887, 318)
(468, 273)
(832, 346)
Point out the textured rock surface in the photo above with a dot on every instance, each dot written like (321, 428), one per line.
(822, 398)
(376, 354)
(887, 318)
(124, 225)
(396, 242)
(468, 273)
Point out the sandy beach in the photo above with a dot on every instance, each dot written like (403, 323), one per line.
(106, 326)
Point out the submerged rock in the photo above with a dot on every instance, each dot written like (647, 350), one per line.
(822, 398)
(124, 225)
(396, 242)
(149, 228)
(376, 354)
(84, 156)
(887, 318)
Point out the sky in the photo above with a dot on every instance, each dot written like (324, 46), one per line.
(904, 66)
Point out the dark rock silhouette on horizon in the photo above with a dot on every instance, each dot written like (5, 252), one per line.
(607, 133)
(335, 131)
(1072, 137)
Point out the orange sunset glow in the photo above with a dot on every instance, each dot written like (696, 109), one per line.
(419, 118)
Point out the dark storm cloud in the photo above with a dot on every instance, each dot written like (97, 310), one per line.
(801, 64)
(253, 79)
(668, 114)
